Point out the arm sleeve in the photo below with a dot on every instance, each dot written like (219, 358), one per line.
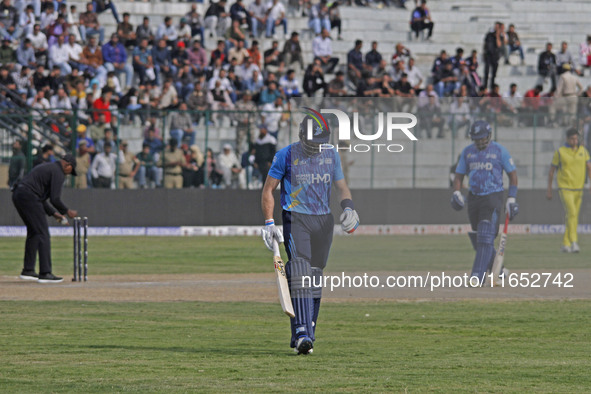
(338, 169)
(278, 167)
(48, 208)
(507, 160)
(55, 194)
(556, 159)
(461, 167)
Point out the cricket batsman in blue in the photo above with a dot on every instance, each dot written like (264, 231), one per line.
(484, 162)
(306, 171)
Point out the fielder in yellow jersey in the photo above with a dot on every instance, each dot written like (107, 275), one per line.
(573, 163)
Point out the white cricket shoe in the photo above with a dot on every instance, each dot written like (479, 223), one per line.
(566, 249)
(575, 247)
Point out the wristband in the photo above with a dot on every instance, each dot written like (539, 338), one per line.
(347, 203)
(269, 222)
(513, 191)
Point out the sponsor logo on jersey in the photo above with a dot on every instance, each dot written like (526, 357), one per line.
(481, 166)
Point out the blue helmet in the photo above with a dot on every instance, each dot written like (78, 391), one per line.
(320, 134)
(481, 133)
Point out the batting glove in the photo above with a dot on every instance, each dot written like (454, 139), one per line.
(271, 232)
(457, 201)
(349, 220)
(512, 207)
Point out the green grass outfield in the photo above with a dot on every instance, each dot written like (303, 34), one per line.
(369, 346)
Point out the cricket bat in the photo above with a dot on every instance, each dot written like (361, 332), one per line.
(284, 296)
(500, 257)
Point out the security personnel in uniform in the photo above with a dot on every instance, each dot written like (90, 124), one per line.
(173, 163)
(35, 196)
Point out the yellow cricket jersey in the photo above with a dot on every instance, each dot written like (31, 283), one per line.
(572, 167)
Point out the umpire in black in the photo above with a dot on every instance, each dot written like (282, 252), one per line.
(32, 197)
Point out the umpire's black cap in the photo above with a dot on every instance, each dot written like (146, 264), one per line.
(71, 160)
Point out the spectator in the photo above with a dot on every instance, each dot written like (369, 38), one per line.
(335, 19)
(415, 77)
(60, 101)
(92, 57)
(184, 30)
(26, 21)
(115, 58)
(400, 53)
(197, 56)
(373, 58)
(314, 78)
(239, 53)
(25, 54)
(290, 84)
(17, 164)
(275, 17)
(398, 70)
(547, 67)
(167, 31)
(255, 83)
(180, 56)
(101, 6)
(319, 18)
(38, 101)
(355, 62)
(102, 105)
(9, 20)
(219, 53)
(513, 45)
(195, 22)
(155, 143)
(103, 168)
(39, 42)
(273, 59)
(162, 58)
(97, 129)
(22, 81)
(168, 98)
(403, 88)
(58, 28)
(387, 87)
(59, 55)
(142, 63)
(219, 99)
(126, 32)
(106, 140)
(492, 47)
(269, 94)
(322, 50)
(258, 17)
(439, 63)
(7, 53)
(244, 132)
(460, 116)
(431, 117)
(74, 54)
(255, 54)
(216, 18)
(585, 52)
(229, 166)
(238, 13)
(265, 147)
(48, 17)
(247, 163)
(193, 172)
(513, 97)
(424, 95)
(214, 175)
(446, 81)
(184, 82)
(271, 116)
(565, 57)
(146, 167)
(421, 20)
(90, 25)
(336, 87)
(144, 31)
(234, 34)
(458, 59)
(172, 164)
(72, 19)
(381, 70)
(292, 51)
(367, 87)
(181, 126)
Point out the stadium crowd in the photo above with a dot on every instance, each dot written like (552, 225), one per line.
(58, 61)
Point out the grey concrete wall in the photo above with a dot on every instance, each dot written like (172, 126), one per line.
(197, 207)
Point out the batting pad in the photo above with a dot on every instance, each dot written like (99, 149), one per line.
(485, 249)
(299, 276)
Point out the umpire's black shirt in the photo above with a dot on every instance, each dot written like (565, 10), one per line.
(45, 182)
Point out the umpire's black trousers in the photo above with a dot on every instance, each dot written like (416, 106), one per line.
(31, 211)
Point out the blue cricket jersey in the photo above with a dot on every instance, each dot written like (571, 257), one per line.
(485, 167)
(306, 180)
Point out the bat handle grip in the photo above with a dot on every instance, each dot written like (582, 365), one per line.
(276, 251)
